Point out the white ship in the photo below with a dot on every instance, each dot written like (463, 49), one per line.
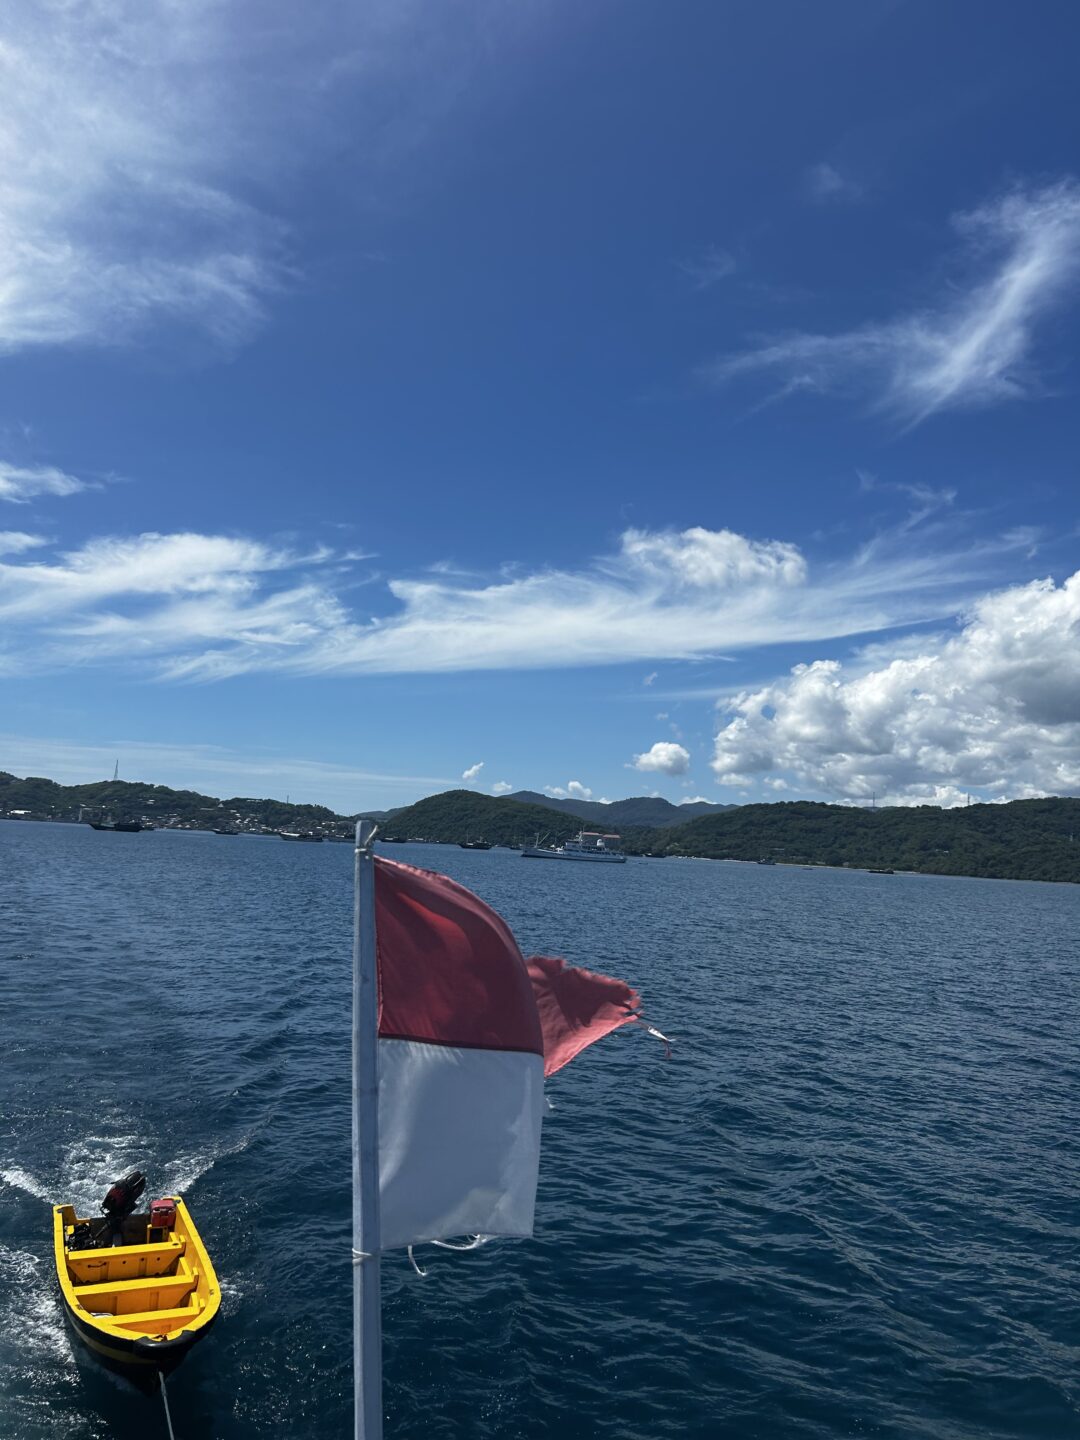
(588, 845)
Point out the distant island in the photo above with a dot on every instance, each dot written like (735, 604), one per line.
(1021, 840)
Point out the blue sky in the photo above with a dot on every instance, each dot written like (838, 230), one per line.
(619, 398)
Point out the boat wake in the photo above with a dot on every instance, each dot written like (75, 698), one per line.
(31, 1319)
(17, 1179)
(182, 1173)
(90, 1164)
(37, 1361)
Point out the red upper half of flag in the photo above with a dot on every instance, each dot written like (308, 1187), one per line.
(576, 1008)
(451, 973)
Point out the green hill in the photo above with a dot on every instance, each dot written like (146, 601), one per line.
(128, 800)
(650, 810)
(1023, 840)
(462, 814)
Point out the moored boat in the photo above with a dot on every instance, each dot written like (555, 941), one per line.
(588, 845)
(138, 1289)
(125, 827)
(308, 835)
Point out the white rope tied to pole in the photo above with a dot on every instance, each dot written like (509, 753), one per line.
(656, 1034)
(474, 1244)
(165, 1402)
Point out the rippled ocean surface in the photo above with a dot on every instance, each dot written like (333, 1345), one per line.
(848, 1205)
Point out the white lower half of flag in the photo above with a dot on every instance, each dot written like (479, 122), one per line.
(459, 1141)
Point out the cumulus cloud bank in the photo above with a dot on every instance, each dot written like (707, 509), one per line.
(975, 348)
(993, 709)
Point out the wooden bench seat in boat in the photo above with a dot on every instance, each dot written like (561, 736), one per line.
(160, 1322)
(124, 1262)
(130, 1297)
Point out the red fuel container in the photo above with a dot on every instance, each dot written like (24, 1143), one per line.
(163, 1214)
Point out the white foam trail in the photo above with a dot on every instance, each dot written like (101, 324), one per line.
(183, 1172)
(92, 1164)
(231, 1295)
(31, 1312)
(21, 1180)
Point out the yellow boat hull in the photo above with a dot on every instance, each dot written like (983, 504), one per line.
(139, 1307)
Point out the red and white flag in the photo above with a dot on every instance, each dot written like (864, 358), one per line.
(467, 1031)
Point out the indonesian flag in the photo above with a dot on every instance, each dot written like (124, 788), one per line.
(467, 1031)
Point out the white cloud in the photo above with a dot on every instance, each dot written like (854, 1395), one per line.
(650, 678)
(501, 787)
(572, 790)
(204, 607)
(14, 542)
(150, 564)
(713, 559)
(975, 348)
(824, 182)
(472, 774)
(697, 800)
(150, 148)
(666, 757)
(995, 709)
(708, 268)
(20, 484)
(118, 133)
(181, 603)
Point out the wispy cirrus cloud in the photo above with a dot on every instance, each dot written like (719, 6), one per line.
(709, 268)
(118, 157)
(205, 607)
(15, 542)
(974, 349)
(20, 484)
(823, 182)
(149, 149)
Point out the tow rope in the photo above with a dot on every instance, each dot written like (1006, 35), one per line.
(165, 1402)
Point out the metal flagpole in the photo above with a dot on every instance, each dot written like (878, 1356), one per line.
(367, 1310)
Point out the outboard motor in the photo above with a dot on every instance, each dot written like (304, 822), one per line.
(121, 1200)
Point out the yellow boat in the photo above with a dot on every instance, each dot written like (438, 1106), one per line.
(139, 1294)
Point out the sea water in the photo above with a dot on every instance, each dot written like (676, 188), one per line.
(848, 1204)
